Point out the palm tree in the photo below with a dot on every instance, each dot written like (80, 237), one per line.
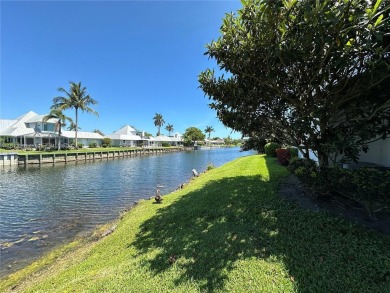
(72, 127)
(61, 118)
(208, 130)
(169, 128)
(76, 98)
(158, 121)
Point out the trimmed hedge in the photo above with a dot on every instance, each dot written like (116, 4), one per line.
(368, 186)
(270, 149)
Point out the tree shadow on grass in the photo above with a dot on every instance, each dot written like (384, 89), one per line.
(208, 230)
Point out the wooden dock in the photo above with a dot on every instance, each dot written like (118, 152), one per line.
(53, 158)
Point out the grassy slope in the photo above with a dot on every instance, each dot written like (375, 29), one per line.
(226, 231)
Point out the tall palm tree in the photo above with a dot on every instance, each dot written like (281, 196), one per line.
(61, 118)
(158, 121)
(208, 130)
(169, 128)
(76, 98)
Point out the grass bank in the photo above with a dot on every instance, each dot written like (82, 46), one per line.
(227, 231)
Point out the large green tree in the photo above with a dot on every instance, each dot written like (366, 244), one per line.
(61, 121)
(158, 121)
(193, 134)
(304, 73)
(75, 98)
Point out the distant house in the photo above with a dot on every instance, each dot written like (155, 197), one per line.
(175, 140)
(127, 136)
(29, 129)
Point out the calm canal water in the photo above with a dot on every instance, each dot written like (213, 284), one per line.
(42, 207)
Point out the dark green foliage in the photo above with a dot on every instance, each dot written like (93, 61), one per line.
(165, 144)
(293, 152)
(193, 134)
(368, 186)
(254, 143)
(310, 73)
(106, 142)
(270, 149)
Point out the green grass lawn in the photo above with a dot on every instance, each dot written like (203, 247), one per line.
(227, 231)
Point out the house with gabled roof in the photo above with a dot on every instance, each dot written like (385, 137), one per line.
(29, 129)
(129, 137)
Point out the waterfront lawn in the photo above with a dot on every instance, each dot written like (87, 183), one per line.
(227, 231)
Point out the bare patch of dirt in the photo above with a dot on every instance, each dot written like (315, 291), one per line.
(294, 191)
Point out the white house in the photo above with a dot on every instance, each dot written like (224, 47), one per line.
(29, 129)
(129, 137)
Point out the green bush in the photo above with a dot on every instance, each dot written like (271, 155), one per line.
(106, 142)
(293, 151)
(368, 186)
(80, 145)
(93, 144)
(165, 144)
(270, 149)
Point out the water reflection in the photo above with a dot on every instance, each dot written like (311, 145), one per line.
(43, 206)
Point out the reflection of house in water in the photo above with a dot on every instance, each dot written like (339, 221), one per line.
(29, 129)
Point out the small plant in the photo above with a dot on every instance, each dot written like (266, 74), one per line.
(270, 149)
(210, 166)
(80, 145)
(165, 144)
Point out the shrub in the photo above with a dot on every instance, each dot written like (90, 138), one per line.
(210, 166)
(369, 187)
(79, 145)
(293, 152)
(270, 149)
(165, 144)
(106, 142)
(93, 144)
(283, 156)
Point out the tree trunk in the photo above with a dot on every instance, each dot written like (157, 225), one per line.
(323, 159)
(59, 136)
(77, 126)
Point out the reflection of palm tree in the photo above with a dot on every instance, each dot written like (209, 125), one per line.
(61, 118)
(158, 121)
(169, 128)
(76, 98)
(208, 130)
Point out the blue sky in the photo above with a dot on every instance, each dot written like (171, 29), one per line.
(136, 58)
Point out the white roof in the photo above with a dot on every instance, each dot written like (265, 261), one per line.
(127, 130)
(18, 127)
(117, 136)
(5, 123)
(81, 134)
(163, 138)
(39, 118)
